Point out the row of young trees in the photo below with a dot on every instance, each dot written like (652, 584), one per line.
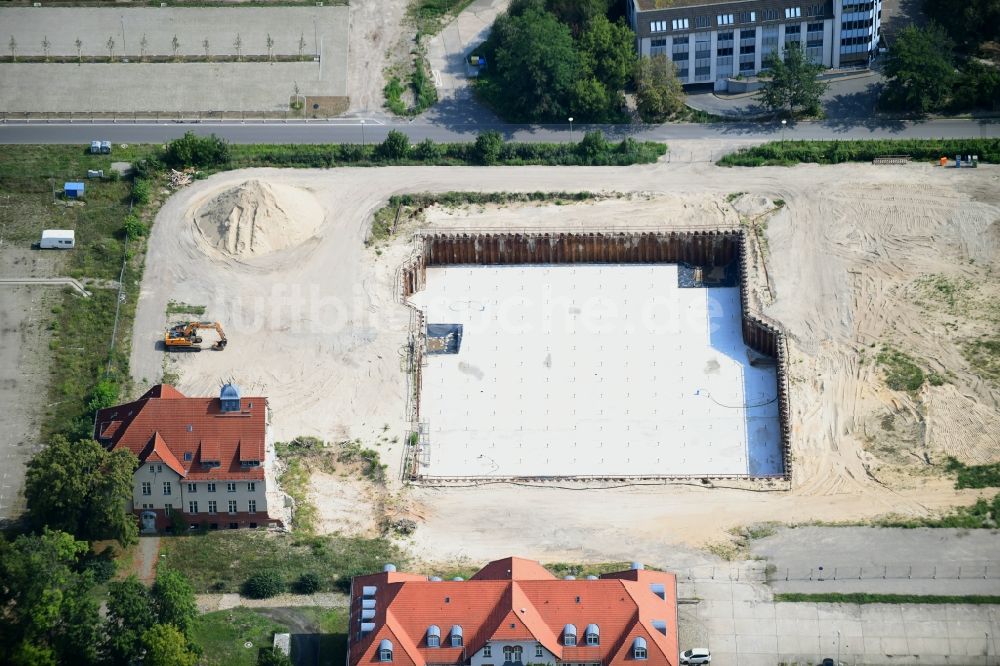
(175, 45)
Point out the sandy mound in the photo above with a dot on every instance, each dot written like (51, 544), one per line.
(256, 217)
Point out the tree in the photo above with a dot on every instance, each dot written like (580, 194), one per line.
(130, 615)
(205, 45)
(920, 71)
(270, 47)
(790, 83)
(302, 44)
(110, 45)
(577, 12)
(166, 646)
(428, 151)
(395, 147)
(978, 85)
(12, 45)
(174, 601)
(607, 51)
(488, 147)
(238, 45)
(46, 46)
(47, 614)
(659, 94)
(968, 22)
(82, 488)
(79, 49)
(536, 66)
(175, 45)
(143, 47)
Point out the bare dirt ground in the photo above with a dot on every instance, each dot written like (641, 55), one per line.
(854, 260)
(376, 38)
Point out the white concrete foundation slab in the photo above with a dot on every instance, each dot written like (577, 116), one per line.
(593, 370)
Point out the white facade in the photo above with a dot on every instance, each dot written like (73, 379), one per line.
(158, 487)
(532, 652)
(720, 43)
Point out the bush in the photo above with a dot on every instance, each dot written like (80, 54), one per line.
(102, 566)
(488, 147)
(105, 394)
(263, 585)
(428, 151)
(140, 191)
(395, 147)
(178, 523)
(272, 657)
(308, 583)
(133, 227)
(784, 153)
(592, 146)
(192, 150)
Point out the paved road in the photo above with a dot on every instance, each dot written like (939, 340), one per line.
(881, 560)
(350, 131)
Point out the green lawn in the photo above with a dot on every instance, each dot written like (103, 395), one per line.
(223, 635)
(222, 561)
(332, 625)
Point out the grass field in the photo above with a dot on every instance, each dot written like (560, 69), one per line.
(222, 561)
(223, 635)
(31, 181)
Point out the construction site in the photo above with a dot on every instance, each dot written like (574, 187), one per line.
(689, 350)
(592, 356)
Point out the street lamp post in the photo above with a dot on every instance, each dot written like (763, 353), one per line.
(124, 48)
(571, 128)
(783, 123)
(838, 630)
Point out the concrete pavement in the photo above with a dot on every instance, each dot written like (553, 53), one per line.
(882, 560)
(742, 626)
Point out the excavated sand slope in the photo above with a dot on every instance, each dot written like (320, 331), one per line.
(256, 218)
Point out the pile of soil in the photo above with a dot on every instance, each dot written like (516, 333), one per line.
(256, 218)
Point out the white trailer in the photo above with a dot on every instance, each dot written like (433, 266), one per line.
(58, 239)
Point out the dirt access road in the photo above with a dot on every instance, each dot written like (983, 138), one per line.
(854, 259)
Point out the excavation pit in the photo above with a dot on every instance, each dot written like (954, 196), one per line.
(592, 357)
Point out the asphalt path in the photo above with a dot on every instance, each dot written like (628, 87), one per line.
(354, 131)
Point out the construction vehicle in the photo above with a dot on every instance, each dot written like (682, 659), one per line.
(184, 336)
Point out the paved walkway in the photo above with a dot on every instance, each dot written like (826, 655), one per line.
(216, 602)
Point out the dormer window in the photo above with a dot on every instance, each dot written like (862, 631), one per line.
(385, 650)
(456, 635)
(639, 648)
(569, 635)
(433, 636)
(593, 634)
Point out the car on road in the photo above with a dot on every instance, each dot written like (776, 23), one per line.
(696, 656)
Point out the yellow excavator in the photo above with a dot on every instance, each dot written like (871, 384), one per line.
(184, 336)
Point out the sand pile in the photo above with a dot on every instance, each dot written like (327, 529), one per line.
(256, 217)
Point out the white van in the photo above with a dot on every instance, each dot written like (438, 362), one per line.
(58, 239)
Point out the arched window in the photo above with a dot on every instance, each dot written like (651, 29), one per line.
(385, 650)
(512, 653)
(456, 635)
(433, 636)
(569, 634)
(593, 634)
(639, 648)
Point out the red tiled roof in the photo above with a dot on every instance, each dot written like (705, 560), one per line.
(517, 600)
(184, 433)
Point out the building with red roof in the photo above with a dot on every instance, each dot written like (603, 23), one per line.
(206, 458)
(514, 612)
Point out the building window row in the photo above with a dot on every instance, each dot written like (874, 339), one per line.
(857, 25)
(793, 12)
(853, 6)
(658, 26)
(680, 24)
(724, 19)
(213, 506)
